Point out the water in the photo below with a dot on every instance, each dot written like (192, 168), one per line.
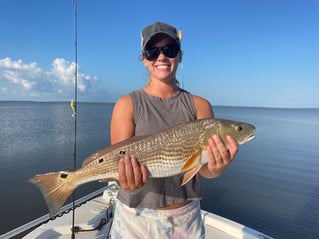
(272, 186)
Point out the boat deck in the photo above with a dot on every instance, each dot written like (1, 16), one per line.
(90, 214)
(93, 211)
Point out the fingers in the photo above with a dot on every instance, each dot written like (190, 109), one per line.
(223, 152)
(121, 172)
(220, 155)
(131, 175)
(219, 150)
(144, 174)
(232, 146)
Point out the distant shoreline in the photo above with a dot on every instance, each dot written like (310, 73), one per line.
(62, 101)
(101, 102)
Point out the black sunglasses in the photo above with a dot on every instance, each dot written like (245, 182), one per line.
(170, 51)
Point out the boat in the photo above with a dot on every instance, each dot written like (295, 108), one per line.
(93, 219)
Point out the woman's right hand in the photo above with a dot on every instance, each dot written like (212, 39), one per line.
(132, 175)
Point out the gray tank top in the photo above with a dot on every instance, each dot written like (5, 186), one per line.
(153, 115)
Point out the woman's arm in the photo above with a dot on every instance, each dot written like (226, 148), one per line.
(122, 123)
(131, 175)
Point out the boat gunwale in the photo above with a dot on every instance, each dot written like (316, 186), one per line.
(46, 218)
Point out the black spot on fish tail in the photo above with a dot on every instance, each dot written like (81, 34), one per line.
(101, 160)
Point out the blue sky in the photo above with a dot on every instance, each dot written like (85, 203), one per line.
(236, 52)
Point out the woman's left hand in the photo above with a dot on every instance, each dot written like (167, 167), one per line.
(219, 155)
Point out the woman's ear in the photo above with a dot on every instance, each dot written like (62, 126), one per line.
(144, 61)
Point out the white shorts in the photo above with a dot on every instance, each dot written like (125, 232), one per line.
(137, 223)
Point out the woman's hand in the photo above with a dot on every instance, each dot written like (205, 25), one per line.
(219, 155)
(132, 175)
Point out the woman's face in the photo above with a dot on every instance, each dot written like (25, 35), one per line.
(162, 68)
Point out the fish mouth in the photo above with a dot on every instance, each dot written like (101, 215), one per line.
(247, 139)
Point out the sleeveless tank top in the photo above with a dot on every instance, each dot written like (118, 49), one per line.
(152, 115)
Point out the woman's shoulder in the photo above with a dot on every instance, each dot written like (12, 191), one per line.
(200, 99)
(123, 100)
(203, 107)
(122, 125)
(127, 99)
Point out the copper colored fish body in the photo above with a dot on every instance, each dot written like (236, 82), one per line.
(174, 151)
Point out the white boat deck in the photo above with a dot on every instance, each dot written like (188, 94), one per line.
(94, 209)
(89, 215)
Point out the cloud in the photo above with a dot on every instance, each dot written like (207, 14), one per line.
(27, 81)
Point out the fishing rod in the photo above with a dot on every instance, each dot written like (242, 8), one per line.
(74, 104)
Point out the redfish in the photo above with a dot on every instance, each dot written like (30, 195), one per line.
(178, 150)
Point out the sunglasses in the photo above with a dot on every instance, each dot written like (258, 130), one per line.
(170, 51)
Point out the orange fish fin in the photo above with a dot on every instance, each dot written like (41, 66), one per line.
(190, 174)
(192, 161)
(55, 187)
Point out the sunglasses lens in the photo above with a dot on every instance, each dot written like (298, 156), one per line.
(151, 54)
(170, 51)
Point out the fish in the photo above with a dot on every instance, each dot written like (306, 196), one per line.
(177, 150)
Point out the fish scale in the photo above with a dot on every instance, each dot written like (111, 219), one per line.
(171, 152)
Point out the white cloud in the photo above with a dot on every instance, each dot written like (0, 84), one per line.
(4, 90)
(19, 80)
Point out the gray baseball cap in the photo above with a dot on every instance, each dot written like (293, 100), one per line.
(156, 28)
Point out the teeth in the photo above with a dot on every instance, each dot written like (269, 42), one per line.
(162, 67)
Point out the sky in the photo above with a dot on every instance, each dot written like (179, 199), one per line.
(262, 53)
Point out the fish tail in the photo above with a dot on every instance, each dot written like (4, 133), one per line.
(55, 187)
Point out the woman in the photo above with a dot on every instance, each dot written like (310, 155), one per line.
(161, 208)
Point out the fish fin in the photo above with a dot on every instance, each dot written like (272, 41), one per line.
(190, 174)
(108, 149)
(192, 161)
(55, 187)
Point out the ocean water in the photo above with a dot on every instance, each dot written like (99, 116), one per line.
(272, 186)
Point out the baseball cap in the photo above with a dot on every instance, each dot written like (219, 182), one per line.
(156, 28)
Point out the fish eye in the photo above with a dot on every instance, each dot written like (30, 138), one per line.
(63, 175)
(239, 128)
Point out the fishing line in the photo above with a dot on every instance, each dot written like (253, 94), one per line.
(74, 104)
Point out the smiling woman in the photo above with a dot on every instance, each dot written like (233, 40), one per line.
(160, 105)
